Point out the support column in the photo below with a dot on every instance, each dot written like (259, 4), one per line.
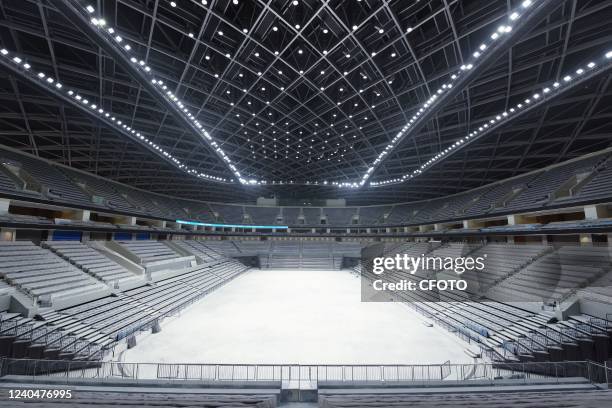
(83, 215)
(515, 219)
(4, 205)
(593, 212)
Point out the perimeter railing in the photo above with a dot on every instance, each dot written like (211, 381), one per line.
(308, 375)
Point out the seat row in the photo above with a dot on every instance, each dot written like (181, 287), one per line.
(39, 272)
(91, 261)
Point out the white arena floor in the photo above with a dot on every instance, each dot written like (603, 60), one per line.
(296, 317)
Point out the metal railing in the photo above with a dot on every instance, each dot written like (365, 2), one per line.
(309, 375)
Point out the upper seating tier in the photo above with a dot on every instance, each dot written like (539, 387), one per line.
(550, 187)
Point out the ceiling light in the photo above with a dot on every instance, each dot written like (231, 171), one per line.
(173, 4)
(275, 28)
(355, 27)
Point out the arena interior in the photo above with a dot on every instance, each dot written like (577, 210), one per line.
(194, 196)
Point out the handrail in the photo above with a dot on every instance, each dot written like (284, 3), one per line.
(311, 374)
(599, 373)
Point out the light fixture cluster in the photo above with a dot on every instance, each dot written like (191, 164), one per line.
(501, 30)
(104, 115)
(111, 33)
(445, 88)
(113, 36)
(546, 93)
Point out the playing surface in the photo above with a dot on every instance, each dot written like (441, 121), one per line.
(296, 316)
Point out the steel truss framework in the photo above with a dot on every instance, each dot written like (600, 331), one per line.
(416, 44)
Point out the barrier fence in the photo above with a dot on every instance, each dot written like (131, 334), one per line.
(304, 374)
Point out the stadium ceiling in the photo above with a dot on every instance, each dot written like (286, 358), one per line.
(306, 94)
